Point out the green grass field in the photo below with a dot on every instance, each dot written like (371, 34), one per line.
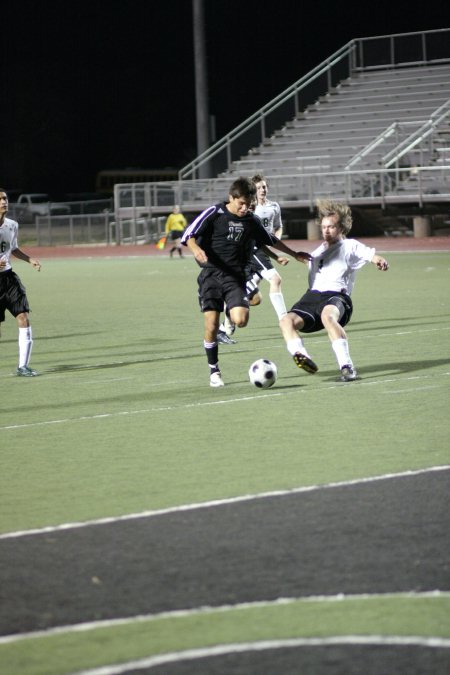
(122, 420)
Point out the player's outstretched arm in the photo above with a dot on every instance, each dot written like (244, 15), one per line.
(380, 262)
(21, 255)
(301, 256)
(281, 260)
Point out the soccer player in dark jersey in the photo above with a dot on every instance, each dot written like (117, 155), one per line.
(219, 239)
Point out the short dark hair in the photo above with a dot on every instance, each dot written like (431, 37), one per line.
(242, 187)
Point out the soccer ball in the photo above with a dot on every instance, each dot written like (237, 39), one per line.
(263, 373)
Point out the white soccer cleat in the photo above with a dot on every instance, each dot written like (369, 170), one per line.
(215, 380)
(348, 374)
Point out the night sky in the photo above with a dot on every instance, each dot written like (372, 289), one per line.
(102, 84)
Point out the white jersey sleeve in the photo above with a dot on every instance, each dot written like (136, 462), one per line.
(8, 240)
(334, 268)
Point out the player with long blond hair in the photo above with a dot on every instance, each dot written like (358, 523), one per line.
(327, 303)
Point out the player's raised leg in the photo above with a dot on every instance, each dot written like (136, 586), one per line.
(289, 325)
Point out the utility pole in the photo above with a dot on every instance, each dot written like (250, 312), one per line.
(201, 85)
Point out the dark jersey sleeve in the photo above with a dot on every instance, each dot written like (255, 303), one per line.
(200, 224)
(260, 235)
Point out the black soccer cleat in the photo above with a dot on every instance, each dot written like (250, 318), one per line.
(304, 362)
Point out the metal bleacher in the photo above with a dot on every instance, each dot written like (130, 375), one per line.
(347, 128)
(369, 125)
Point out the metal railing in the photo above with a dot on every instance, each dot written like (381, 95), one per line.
(368, 185)
(142, 230)
(262, 123)
(91, 230)
(70, 230)
(299, 190)
(387, 51)
(402, 141)
(417, 137)
(392, 134)
(22, 213)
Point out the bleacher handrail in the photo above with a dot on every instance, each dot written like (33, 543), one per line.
(197, 194)
(393, 128)
(354, 50)
(417, 136)
(374, 143)
(260, 115)
(297, 186)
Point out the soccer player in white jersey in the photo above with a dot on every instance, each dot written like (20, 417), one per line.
(327, 303)
(12, 292)
(261, 266)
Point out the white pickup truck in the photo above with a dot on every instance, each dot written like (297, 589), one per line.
(31, 205)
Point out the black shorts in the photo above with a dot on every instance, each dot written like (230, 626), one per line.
(13, 295)
(216, 288)
(175, 234)
(310, 307)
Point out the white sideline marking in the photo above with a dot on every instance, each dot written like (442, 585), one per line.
(219, 502)
(145, 411)
(220, 609)
(375, 336)
(411, 389)
(263, 645)
(313, 340)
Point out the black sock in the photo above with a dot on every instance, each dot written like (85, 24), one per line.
(212, 355)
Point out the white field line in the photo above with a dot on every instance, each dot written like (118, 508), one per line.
(263, 645)
(108, 380)
(443, 249)
(413, 389)
(208, 610)
(220, 502)
(143, 411)
(401, 332)
(279, 345)
(185, 406)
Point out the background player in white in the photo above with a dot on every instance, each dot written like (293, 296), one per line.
(12, 293)
(331, 278)
(269, 213)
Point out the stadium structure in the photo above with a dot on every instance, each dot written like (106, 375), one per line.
(370, 125)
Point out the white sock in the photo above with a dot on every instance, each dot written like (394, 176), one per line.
(296, 345)
(25, 346)
(278, 303)
(340, 348)
(222, 328)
